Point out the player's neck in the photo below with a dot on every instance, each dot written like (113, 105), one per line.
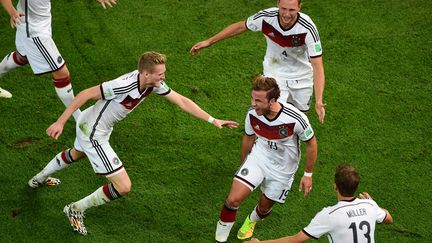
(274, 110)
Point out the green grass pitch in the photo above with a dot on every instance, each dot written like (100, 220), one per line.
(378, 91)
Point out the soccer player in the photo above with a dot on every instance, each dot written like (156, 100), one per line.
(115, 100)
(271, 154)
(350, 220)
(35, 46)
(293, 56)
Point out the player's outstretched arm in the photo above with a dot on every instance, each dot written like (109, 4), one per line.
(230, 31)
(192, 108)
(298, 238)
(311, 156)
(15, 16)
(56, 129)
(110, 3)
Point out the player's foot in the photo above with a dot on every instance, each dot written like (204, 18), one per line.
(222, 231)
(247, 229)
(50, 181)
(76, 219)
(5, 94)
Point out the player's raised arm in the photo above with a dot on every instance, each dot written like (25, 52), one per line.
(15, 16)
(192, 108)
(230, 31)
(110, 3)
(56, 129)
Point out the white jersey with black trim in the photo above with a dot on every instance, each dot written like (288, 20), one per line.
(347, 221)
(288, 50)
(37, 19)
(119, 97)
(278, 139)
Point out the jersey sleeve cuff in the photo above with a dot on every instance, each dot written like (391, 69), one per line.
(311, 236)
(166, 93)
(101, 91)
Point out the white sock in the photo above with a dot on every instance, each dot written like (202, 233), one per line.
(7, 64)
(222, 230)
(97, 198)
(254, 217)
(59, 162)
(66, 95)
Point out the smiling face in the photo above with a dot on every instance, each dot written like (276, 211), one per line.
(288, 10)
(260, 102)
(153, 77)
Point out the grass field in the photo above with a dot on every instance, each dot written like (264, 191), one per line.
(379, 84)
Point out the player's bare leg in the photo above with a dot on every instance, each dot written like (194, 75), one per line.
(61, 161)
(63, 87)
(11, 61)
(238, 193)
(260, 212)
(120, 185)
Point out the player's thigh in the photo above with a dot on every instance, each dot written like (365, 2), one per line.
(43, 55)
(277, 188)
(250, 172)
(301, 98)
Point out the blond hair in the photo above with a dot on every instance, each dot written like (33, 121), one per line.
(150, 59)
(262, 83)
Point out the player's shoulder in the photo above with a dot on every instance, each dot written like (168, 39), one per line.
(292, 111)
(266, 13)
(305, 19)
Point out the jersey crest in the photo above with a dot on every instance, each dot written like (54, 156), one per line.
(271, 132)
(283, 40)
(130, 103)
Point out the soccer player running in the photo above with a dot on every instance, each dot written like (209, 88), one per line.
(35, 46)
(293, 56)
(271, 155)
(115, 100)
(350, 220)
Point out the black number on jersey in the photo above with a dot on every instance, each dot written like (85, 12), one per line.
(272, 145)
(283, 195)
(353, 226)
(285, 53)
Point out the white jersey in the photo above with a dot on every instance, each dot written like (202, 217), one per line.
(37, 19)
(278, 139)
(119, 97)
(347, 221)
(288, 50)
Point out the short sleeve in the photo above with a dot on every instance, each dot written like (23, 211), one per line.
(380, 213)
(319, 225)
(313, 41)
(107, 89)
(303, 128)
(248, 127)
(163, 89)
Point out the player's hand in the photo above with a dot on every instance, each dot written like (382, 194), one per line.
(365, 195)
(306, 184)
(320, 110)
(222, 123)
(107, 2)
(55, 130)
(254, 240)
(198, 46)
(15, 19)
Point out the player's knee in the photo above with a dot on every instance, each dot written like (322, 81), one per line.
(233, 202)
(124, 188)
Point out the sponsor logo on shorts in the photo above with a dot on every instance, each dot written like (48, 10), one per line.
(244, 172)
(116, 161)
(283, 132)
(59, 59)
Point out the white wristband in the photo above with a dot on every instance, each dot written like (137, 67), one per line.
(307, 174)
(210, 120)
